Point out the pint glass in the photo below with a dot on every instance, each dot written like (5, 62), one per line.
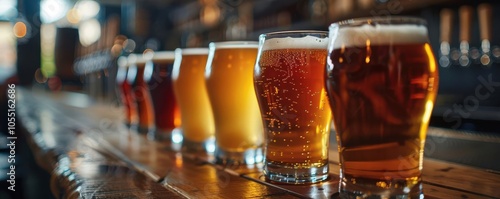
(142, 95)
(123, 79)
(167, 113)
(238, 125)
(382, 81)
(188, 76)
(289, 82)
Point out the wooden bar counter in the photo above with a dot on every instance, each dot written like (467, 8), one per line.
(91, 154)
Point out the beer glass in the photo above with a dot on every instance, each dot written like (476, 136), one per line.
(289, 80)
(382, 81)
(127, 96)
(166, 111)
(141, 92)
(229, 78)
(188, 76)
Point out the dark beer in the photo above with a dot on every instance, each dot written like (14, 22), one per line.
(166, 112)
(143, 98)
(382, 90)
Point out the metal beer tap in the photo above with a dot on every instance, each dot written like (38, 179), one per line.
(446, 26)
(484, 14)
(465, 14)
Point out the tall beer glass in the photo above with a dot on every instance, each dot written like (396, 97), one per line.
(382, 81)
(142, 95)
(238, 125)
(289, 82)
(188, 77)
(124, 77)
(167, 113)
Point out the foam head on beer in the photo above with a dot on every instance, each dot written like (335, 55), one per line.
(307, 42)
(235, 44)
(377, 34)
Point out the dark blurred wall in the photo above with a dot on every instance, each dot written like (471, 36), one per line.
(28, 49)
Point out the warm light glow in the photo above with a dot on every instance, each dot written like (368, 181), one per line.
(210, 14)
(72, 16)
(428, 111)
(178, 160)
(368, 51)
(432, 60)
(20, 29)
(89, 31)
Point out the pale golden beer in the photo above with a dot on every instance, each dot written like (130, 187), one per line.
(382, 81)
(289, 83)
(188, 76)
(238, 125)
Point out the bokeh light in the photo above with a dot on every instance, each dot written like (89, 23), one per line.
(20, 29)
(89, 31)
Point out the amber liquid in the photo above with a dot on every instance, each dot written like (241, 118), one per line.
(191, 94)
(128, 100)
(290, 88)
(167, 113)
(232, 95)
(382, 98)
(144, 102)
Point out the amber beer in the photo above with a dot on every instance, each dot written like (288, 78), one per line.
(167, 112)
(382, 81)
(229, 77)
(142, 96)
(289, 82)
(126, 93)
(188, 78)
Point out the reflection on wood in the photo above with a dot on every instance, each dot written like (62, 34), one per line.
(92, 155)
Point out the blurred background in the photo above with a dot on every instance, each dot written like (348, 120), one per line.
(75, 45)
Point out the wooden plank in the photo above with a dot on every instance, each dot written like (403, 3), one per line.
(432, 191)
(193, 175)
(459, 177)
(205, 181)
(450, 177)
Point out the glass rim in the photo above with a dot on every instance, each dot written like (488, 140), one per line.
(137, 58)
(393, 20)
(192, 51)
(286, 32)
(234, 44)
(163, 55)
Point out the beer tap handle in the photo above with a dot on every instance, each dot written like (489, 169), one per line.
(465, 14)
(446, 23)
(484, 14)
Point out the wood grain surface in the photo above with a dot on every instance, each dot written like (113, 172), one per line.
(90, 154)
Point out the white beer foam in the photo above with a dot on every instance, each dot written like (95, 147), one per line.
(235, 44)
(307, 42)
(137, 59)
(194, 51)
(380, 34)
(164, 55)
